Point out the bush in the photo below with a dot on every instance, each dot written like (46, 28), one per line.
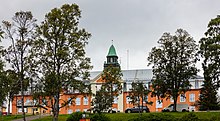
(99, 117)
(189, 117)
(155, 117)
(75, 116)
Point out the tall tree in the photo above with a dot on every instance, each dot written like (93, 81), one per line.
(173, 64)
(110, 89)
(138, 94)
(59, 54)
(2, 81)
(19, 32)
(210, 51)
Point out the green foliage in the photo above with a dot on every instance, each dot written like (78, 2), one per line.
(209, 50)
(58, 55)
(75, 116)
(189, 117)
(99, 117)
(104, 98)
(19, 32)
(173, 64)
(137, 92)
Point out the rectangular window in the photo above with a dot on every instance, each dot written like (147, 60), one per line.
(128, 99)
(77, 101)
(191, 97)
(70, 111)
(70, 102)
(85, 101)
(98, 87)
(171, 99)
(159, 104)
(115, 100)
(77, 110)
(183, 98)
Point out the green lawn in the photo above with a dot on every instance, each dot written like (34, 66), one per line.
(10, 117)
(126, 117)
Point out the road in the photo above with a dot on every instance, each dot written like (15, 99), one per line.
(30, 118)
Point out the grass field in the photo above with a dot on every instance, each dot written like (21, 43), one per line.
(10, 117)
(126, 117)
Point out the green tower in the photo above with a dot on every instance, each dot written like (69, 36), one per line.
(112, 58)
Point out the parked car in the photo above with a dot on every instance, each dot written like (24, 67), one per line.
(137, 109)
(179, 108)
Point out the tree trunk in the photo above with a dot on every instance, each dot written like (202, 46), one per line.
(174, 104)
(22, 100)
(9, 102)
(56, 107)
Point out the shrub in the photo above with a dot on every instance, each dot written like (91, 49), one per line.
(189, 117)
(75, 116)
(99, 117)
(155, 117)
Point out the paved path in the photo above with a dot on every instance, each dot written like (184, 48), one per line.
(30, 118)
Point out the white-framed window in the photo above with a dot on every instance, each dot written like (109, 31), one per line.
(129, 87)
(85, 101)
(191, 97)
(171, 99)
(128, 99)
(98, 87)
(159, 104)
(183, 98)
(78, 101)
(115, 100)
(77, 110)
(70, 111)
(70, 102)
(145, 99)
(84, 110)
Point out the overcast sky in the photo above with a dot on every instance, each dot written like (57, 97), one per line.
(134, 25)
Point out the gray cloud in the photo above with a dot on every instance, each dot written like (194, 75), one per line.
(134, 25)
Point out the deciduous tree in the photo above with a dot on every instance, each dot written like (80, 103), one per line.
(210, 51)
(139, 94)
(19, 32)
(110, 89)
(173, 64)
(59, 55)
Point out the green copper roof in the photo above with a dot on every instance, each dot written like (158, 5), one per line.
(112, 51)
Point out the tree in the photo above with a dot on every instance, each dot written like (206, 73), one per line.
(138, 93)
(20, 33)
(110, 89)
(173, 65)
(210, 51)
(2, 81)
(12, 87)
(59, 55)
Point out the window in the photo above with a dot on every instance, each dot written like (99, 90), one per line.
(70, 102)
(159, 104)
(145, 99)
(196, 84)
(191, 97)
(84, 110)
(98, 87)
(182, 98)
(85, 101)
(77, 101)
(129, 86)
(77, 110)
(171, 99)
(70, 111)
(115, 100)
(128, 99)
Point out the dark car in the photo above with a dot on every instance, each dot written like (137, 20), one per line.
(137, 109)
